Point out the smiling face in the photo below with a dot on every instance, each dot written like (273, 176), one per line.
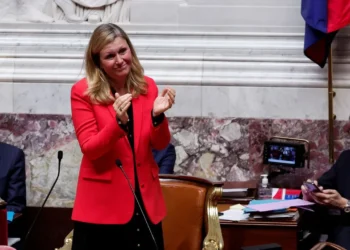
(116, 60)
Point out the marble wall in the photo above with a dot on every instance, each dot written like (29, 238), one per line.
(227, 149)
(239, 81)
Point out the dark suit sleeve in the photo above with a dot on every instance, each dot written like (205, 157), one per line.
(16, 196)
(168, 162)
(329, 179)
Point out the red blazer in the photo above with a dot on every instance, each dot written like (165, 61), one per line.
(103, 194)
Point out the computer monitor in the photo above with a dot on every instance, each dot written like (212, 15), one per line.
(285, 154)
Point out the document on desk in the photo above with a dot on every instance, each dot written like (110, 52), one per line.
(12, 241)
(237, 207)
(234, 215)
(282, 204)
(247, 209)
(10, 215)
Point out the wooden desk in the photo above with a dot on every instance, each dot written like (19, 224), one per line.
(250, 233)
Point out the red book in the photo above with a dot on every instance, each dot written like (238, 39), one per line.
(3, 227)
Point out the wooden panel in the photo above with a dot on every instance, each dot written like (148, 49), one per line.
(250, 233)
(51, 228)
(55, 223)
(237, 236)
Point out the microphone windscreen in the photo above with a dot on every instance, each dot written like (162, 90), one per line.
(60, 155)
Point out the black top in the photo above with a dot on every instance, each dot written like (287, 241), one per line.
(338, 178)
(129, 128)
(137, 222)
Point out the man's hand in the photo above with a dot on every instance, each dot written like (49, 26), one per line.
(307, 195)
(329, 197)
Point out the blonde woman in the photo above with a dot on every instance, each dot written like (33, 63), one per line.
(118, 116)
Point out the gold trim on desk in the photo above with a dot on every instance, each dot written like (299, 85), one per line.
(275, 223)
(214, 239)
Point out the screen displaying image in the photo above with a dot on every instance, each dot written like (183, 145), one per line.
(281, 154)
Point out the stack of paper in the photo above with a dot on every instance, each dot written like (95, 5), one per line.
(234, 215)
(237, 207)
(275, 209)
(265, 209)
(273, 205)
(248, 208)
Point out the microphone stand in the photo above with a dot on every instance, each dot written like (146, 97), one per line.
(59, 156)
(119, 164)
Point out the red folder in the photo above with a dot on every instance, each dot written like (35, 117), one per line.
(3, 227)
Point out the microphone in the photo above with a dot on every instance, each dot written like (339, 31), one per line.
(119, 164)
(59, 157)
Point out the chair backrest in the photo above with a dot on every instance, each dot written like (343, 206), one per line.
(192, 221)
(327, 245)
(192, 217)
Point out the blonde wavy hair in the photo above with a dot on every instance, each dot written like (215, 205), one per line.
(99, 89)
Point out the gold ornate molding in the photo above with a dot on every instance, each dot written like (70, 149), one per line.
(213, 240)
(67, 242)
